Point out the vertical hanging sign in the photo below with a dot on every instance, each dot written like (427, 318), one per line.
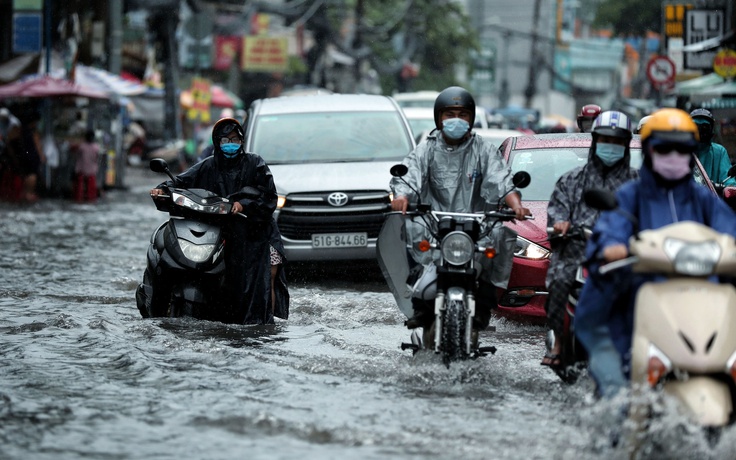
(27, 26)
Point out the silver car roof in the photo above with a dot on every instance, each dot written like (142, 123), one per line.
(326, 103)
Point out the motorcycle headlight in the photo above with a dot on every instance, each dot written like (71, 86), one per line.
(457, 248)
(185, 202)
(694, 259)
(529, 250)
(195, 252)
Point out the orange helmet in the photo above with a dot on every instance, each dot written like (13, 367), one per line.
(672, 126)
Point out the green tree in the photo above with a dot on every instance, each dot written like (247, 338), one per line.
(629, 17)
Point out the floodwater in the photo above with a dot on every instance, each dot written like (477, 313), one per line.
(82, 375)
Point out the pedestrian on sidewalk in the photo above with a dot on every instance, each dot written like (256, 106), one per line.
(85, 168)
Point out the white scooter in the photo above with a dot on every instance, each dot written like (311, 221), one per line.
(684, 337)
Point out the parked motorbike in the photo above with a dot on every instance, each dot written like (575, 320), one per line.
(452, 281)
(573, 357)
(683, 341)
(185, 267)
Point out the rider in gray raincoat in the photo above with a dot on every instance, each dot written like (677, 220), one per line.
(458, 171)
(607, 167)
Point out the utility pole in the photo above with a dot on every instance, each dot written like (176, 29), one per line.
(531, 87)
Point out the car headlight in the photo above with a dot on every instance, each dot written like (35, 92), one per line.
(457, 248)
(529, 250)
(195, 252)
(216, 208)
(694, 259)
(280, 202)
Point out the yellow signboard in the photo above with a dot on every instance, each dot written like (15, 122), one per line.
(674, 19)
(264, 54)
(201, 97)
(724, 63)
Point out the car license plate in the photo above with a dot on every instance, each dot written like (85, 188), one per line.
(339, 240)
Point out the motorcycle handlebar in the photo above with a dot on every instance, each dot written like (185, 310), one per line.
(502, 215)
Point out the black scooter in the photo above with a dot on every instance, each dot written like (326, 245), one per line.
(185, 268)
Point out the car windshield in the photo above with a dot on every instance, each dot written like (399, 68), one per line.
(419, 125)
(547, 165)
(330, 137)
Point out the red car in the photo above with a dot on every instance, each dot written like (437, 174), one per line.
(546, 157)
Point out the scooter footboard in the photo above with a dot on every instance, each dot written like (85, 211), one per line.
(707, 399)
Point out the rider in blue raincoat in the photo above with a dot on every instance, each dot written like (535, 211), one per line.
(665, 193)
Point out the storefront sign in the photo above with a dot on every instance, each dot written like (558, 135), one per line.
(700, 25)
(265, 54)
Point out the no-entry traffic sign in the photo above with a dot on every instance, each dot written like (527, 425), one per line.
(661, 72)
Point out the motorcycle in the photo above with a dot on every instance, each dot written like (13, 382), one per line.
(451, 282)
(683, 342)
(573, 357)
(185, 267)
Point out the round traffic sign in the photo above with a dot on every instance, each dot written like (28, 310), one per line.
(661, 71)
(724, 64)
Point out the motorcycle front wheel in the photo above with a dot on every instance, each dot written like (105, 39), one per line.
(453, 332)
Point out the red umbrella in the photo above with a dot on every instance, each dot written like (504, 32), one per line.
(45, 86)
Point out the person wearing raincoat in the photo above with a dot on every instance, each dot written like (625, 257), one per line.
(254, 257)
(665, 193)
(607, 167)
(455, 170)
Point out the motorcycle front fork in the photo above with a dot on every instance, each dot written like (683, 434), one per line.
(439, 309)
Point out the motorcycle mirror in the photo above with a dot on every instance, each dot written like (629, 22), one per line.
(399, 170)
(159, 165)
(522, 179)
(600, 199)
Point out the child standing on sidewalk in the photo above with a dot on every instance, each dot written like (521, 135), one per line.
(86, 168)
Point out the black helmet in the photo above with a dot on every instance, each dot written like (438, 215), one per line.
(453, 97)
(223, 128)
(705, 122)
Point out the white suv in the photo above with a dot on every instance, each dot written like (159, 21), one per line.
(330, 157)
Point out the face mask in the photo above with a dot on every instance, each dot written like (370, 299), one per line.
(671, 166)
(455, 128)
(610, 154)
(230, 150)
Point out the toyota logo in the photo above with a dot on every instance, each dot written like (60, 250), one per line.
(338, 199)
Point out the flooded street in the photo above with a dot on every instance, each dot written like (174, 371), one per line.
(82, 375)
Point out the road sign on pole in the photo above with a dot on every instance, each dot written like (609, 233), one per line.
(661, 72)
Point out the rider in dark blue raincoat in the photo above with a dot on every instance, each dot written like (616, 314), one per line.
(665, 193)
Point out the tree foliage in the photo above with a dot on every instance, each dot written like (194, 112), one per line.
(434, 34)
(629, 17)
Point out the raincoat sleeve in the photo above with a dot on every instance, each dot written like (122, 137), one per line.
(497, 177)
(559, 208)
(187, 179)
(612, 227)
(262, 205)
(418, 164)
(720, 217)
(724, 164)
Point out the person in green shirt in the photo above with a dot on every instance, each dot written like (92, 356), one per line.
(713, 156)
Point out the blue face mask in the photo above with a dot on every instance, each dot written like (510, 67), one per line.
(610, 154)
(455, 128)
(230, 150)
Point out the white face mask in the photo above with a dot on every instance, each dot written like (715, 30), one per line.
(671, 166)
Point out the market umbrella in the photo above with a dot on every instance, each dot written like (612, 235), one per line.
(46, 86)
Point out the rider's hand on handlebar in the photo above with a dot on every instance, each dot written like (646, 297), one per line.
(615, 252)
(156, 192)
(521, 212)
(561, 227)
(400, 203)
(237, 207)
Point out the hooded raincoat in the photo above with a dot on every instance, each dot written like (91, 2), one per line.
(716, 162)
(469, 177)
(604, 314)
(566, 205)
(247, 257)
